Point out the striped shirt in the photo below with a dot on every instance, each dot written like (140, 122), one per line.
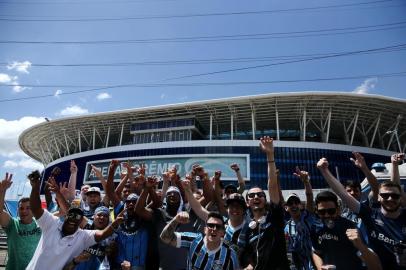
(199, 257)
(232, 234)
(299, 242)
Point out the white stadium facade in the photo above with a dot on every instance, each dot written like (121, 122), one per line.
(216, 133)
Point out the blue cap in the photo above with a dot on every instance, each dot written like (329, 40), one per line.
(132, 197)
(102, 209)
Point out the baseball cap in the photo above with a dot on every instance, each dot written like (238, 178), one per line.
(102, 209)
(132, 197)
(236, 197)
(75, 210)
(94, 190)
(292, 196)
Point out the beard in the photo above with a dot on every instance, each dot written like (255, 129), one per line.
(390, 210)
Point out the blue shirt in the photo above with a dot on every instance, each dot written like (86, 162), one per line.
(199, 257)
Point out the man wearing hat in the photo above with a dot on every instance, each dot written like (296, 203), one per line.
(132, 238)
(96, 255)
(94, 200)
(61, 241)
(297, 229)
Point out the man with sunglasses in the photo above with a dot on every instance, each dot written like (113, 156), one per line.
(297, 229)
(262, 242)
(386, 226)
(336, 240)
(205, 252)
(61, 241)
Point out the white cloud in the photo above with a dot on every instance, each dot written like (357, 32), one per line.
(366, 86)
(163, 96)
(73, 110)
(23, 163)
(58, 92)
(102, 96)
(5, 78)
(21, 67)
(9, 132)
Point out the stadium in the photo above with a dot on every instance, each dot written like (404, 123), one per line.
(216, 133)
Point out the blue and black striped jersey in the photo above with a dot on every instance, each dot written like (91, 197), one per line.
(199, 257)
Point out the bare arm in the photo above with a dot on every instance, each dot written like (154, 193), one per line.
(35, 200)
(168, 235)
(368, 256)
(318, 262)
(165, 185)
(359, 162)
(63, 204)
(217, 194)
(115, 199)
(304, 177)
(106, 232)
(266, 145)
(337, 187)
(199, 210)
(140, 206)
(72, 181)
(396, 159)
(4, 185)
(241, 182)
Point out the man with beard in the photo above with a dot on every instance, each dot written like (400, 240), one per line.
(205, 252)
(61, 241)
(297, 229)
(169, 257)
(262, 243)
(22, 233)
(386, 226)
(96, 256)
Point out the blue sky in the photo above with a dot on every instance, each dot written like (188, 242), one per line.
(152, 45)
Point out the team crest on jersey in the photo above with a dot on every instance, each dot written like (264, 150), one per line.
(379, 222)
(217, 265)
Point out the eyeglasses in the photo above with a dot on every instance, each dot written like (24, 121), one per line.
(215, 226)
(323, 212)
(74, 216)
(253, 194)
(386, 196)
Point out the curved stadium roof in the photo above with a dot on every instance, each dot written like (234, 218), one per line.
(331, 117)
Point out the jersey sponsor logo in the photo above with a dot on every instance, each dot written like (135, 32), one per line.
(379, 222)
(217, 265)
(383, 238)
(29, 233)
(327, 236)
(96, 251)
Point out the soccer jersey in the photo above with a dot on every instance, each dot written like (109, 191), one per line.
(98, 255)
(385, 235)
(132, 241)
(264, 246)
(333, 246)
(22, 240)
(232, 234)
(299, 242)
(199, 257)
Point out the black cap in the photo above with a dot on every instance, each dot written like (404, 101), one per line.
(236, 197)
(76, 210)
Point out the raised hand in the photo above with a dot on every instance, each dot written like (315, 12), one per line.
(354, 237)
(235, 167)
(73, 167)
(6, 183)
(322, 164)
(64, 189)
(266, 144)
(182, 217)
(217, 175)
(113, 164)
(97, 171)
(151, 182)
(397, 158)
(125, 265)
(52, 185)
(302, 175)
(186, 184)
(359, 161)
(34, 178)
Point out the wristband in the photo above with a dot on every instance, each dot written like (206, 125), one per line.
(271, 161)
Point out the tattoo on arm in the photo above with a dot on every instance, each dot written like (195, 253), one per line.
(168, 235)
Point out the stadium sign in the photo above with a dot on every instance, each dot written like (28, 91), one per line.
(157, 165)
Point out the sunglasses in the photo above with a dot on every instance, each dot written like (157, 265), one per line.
(386, 196)
(253, 194)
(74, 216)
(214, 226)
(330, 211)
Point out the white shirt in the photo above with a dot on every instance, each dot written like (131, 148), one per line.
(53, 250)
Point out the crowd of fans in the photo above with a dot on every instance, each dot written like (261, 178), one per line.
(179, 226)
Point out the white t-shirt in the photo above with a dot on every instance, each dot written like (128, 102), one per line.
(53, 250)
